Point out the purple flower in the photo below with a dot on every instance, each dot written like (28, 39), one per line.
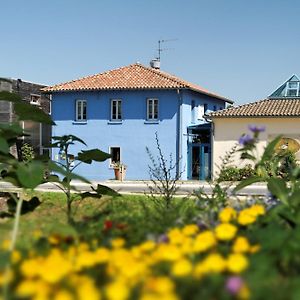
(256, 129)
(234, 284)
(246, 139)
(163, 239)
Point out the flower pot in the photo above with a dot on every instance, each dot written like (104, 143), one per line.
(120, 173)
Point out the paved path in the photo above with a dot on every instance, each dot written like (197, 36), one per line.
(185, 188)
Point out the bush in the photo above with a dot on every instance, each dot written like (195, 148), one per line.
(236, 174)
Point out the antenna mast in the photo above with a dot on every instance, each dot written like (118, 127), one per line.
(160, 49)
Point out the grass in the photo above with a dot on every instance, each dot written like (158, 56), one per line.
(128, 216)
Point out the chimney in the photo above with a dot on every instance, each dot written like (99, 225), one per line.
(155, 63)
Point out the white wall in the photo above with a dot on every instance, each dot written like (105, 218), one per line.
(227, 131)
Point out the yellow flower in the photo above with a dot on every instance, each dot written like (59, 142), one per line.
(204, 241)
(214, 263)
(147, 246)
(241, 245)
(175, 236)
(86, 289)
(182, 268)
(5, 245)
(118, 243)
(55, 267)
(225, 231)
(29, 288)
(244, 293)
(227, 214)
(159, 285)
(15, 257)
(254, 249)
(258, 210)
(117, 290)
(190, 229)
(246, 217)
(237, 263)
(63, 295)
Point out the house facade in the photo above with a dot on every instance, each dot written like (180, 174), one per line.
(39, 135)
(120, 111)
(279, 114)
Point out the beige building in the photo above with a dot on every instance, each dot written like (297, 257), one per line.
(279, 114)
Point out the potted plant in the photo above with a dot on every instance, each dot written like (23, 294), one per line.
(120, 170)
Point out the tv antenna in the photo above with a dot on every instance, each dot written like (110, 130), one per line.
(160, 49)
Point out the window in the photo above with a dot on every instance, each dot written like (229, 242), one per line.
(116, 109)
(35, 99)
(152, 109)
(115, 153)
(292, 89)
(81, 110)
(215, 108)
(205, 107)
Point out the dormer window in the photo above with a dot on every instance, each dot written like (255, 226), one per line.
(35, 99)
(292, 89)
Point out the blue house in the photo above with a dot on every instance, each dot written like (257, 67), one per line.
(120, 111)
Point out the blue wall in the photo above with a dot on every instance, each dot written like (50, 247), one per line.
(134, 133)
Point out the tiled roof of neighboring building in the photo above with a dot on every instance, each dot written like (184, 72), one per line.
(135, 76)
(264, 108)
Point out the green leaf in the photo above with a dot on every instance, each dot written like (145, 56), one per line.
(53, 167)
(279, 189)
(30, 175)
(92, 155)
(247, 182)
(105, 190)
(4, 147)
(26, 112)
(66, 140)
(270, 149)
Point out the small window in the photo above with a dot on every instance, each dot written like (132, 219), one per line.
(81, 110)
(116, 109)
(115, 153)
(292, 89)
(35, 99)
(152, 109)
(205, 107)
(215, 108)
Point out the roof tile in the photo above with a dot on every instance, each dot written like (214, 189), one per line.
(135, 76)
(263, 108)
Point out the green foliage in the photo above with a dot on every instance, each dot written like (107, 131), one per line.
(67, 170)
(27, 152)
(232, 173)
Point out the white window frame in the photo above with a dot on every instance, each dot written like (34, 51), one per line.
(109, 151)
(38, 102)
(288, 88)
(151, 101)
(117, 101)
(79, 114)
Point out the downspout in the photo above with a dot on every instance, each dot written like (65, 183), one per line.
(179, 133)
(212, 135)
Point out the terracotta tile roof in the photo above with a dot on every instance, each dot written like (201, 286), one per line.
(135, 76)
(264, 108)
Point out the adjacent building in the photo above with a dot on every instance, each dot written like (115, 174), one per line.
(279, 114)
(39, 134)
(120, 111)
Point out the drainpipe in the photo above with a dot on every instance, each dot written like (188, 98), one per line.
(179, 133)
(212, 137)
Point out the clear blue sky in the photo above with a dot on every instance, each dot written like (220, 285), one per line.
(238, 48)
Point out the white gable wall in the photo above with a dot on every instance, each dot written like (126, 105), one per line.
(227, 131)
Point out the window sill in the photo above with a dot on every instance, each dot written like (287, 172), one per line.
(79, 122)
(116, 122)
(151, 122)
